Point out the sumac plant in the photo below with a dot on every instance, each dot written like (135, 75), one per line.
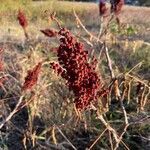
(81, 77)
(32, 77)
(116, 7)
(102, 8)
(23, 22)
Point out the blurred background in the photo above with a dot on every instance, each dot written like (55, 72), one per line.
(130, 2)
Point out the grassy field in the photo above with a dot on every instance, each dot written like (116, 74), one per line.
(136, 17)
(49, 119)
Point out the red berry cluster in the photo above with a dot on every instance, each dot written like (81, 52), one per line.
(22, 19)
(102, 7)
(73, 66)
(32, 77)
(49, 32)
(116, 6)
(57, 68)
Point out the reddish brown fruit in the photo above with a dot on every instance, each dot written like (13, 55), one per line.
(49, 32)
(22, 19)
(73, 66)
(116, 6)
(102, 8)
(32, 77)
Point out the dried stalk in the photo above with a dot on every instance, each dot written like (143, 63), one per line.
(146, 98)
(54, 136)
(137, 65)
(26, 33)
(113, 77)
(109, 62)
(101, 27)
(129, 90)
(110, 140)
(121, 136)
(84, 28)
(12, 113)
(65, 138)
(119, 97)
(141, 100)
(113, 131)
(97, 139)
(139, 80)
(117, 138)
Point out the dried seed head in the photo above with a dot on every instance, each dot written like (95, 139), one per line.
(73, 66)
(102, 8)
(22, 19)
(116, 88)
(32, 77)
(116, 6)
(49, 32)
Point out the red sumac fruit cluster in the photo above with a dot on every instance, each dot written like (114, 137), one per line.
(73, 66)
(116, 6)
(22, 19)
(49, 32)
(32, 77)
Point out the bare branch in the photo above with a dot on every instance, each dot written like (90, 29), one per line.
(65, 138)
(84, 28)
(97, 139)
(12, 113)
(113, 131)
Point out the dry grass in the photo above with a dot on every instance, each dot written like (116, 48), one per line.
(138, 17)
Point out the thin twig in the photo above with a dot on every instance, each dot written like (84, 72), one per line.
(109, 62)
(146, 98)
(65, 138)
(101, 27)
(110, 140)
(97, 139)
(137, 65)
(84, 28)
(12, 113)
(107, 26)
(113, 131)
(121, 136)
(53, 17)
(117, 138)
(139, 80)
(140, 136)
(113, 77)
(99, 56)
(140, 121)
